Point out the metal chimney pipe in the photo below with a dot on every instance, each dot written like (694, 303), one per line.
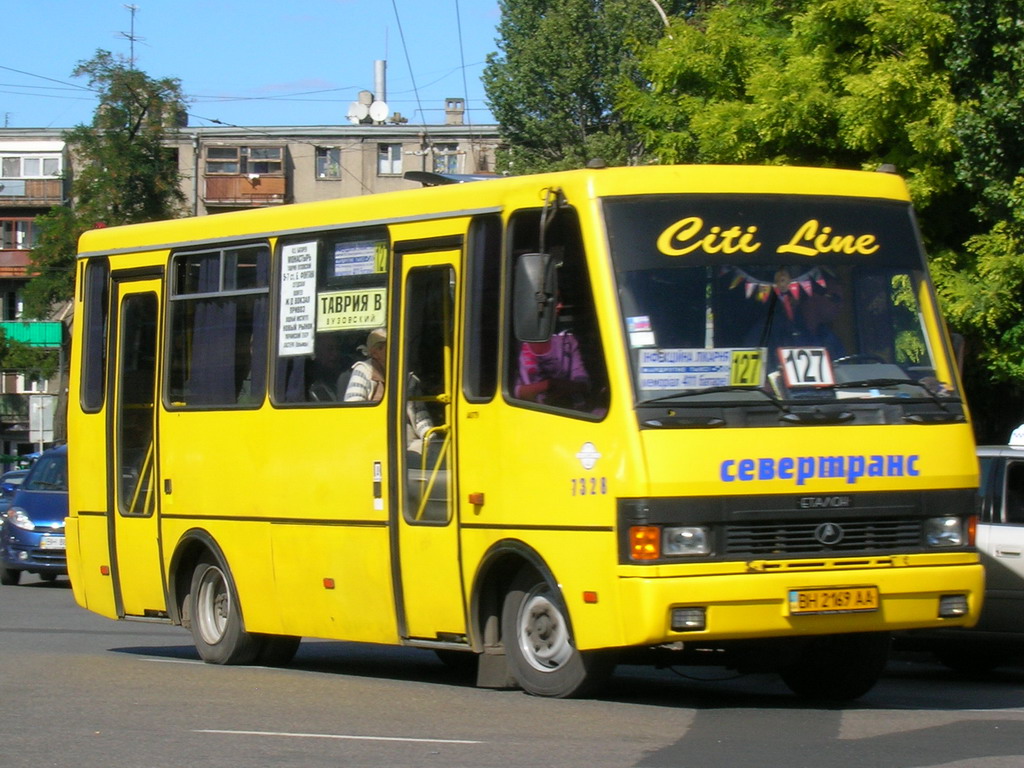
(379, 80)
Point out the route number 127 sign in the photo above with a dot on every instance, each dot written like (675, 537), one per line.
(806, 367)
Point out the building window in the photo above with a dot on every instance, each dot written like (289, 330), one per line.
(243, 160)
(30, 166)
(446, 158)
(389, 159)
(31, 384)
(328, 162)
(17, 234)
(11, 309)
(264, 160)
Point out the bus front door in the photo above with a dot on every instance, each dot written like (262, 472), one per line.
(132, 480)
(428, 581)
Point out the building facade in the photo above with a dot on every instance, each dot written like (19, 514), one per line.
(222, 169)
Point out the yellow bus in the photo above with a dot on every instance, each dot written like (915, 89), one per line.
(543, 424)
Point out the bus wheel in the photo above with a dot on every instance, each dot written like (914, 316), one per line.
(539, 644)
(838, 667)
(969, 661)
(216, 620)
(9, 577)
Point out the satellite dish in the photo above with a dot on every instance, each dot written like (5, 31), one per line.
(357, 112)
(379, 111)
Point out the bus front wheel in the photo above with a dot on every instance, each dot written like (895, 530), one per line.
(838, 667)
(539, 643)
(216, 620)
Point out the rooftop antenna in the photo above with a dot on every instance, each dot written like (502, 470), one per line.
(130, 36)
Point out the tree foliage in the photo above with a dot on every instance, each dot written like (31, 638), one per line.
(933, 87)
(982, 283)
(125, 174)
(845, 83)
(551, 85)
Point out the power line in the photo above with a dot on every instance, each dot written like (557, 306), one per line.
(52, 80)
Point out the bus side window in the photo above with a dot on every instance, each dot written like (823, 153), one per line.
(343, 277)
(568, 371)
(219, 305)
(94, 357)
(483, 281)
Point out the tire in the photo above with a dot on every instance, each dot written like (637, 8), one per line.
(9, 577)
(216, 620)
(277, 650)
(838, 668)
(538, 642)
(970, 661)
(48, 576)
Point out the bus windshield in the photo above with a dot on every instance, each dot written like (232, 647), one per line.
(779, 300)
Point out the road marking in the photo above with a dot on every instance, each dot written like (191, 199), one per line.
(335, 736)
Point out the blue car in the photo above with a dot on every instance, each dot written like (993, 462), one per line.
(32, 531)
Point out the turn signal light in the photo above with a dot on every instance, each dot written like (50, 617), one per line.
(644, 542)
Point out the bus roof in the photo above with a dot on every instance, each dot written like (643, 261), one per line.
(492, 194)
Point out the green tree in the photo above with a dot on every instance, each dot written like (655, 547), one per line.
(552, 82)
(933, 87)
(982, 284)
(125, 173)
(846, 83)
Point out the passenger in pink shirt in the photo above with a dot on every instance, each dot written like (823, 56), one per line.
(552, 372)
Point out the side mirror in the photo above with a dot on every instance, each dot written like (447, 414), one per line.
(533, 294)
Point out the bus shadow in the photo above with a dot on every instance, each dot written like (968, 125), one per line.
(911, 681)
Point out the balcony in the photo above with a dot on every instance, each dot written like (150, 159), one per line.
(15, 263)
(250, 190)
(31, 192)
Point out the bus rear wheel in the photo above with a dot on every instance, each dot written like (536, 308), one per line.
(539, 644)
(838, 667)
(216, 620)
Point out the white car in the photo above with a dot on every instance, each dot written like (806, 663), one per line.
(999, 635)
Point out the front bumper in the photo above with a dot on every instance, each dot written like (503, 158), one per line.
(23, 552)
(756, 604)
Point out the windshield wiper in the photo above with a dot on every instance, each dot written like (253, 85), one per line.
(685, 422)
(715, 390)
(944, 417)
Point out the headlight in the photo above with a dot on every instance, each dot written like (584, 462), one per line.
(686, 540)
(16, 516)
(944, 532)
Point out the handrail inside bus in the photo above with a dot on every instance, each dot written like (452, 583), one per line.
(429, 483)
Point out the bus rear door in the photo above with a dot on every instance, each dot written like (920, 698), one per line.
(132, 485)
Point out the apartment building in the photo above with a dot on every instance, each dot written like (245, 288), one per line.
(222, 168)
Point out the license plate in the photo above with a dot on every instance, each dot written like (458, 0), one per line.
(51, 542)
(842, 600)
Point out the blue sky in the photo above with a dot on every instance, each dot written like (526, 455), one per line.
(250, 62)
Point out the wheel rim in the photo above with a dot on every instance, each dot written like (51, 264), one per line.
(543, 633)
(213, 606)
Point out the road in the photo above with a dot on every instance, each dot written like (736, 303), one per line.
(79, 690)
